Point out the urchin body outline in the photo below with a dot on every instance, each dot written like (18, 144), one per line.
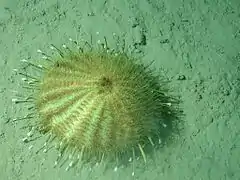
(79, 156)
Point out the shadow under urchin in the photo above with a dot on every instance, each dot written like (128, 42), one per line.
(100, 104)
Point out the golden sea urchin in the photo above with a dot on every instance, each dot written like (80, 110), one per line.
(98, 103)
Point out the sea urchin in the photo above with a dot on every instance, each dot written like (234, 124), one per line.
(98, 102)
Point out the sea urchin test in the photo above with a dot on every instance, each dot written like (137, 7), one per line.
(96, 103)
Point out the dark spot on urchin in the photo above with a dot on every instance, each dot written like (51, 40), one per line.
(105, 84)
(57, 64)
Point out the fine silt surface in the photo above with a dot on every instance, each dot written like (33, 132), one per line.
(195, 44)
